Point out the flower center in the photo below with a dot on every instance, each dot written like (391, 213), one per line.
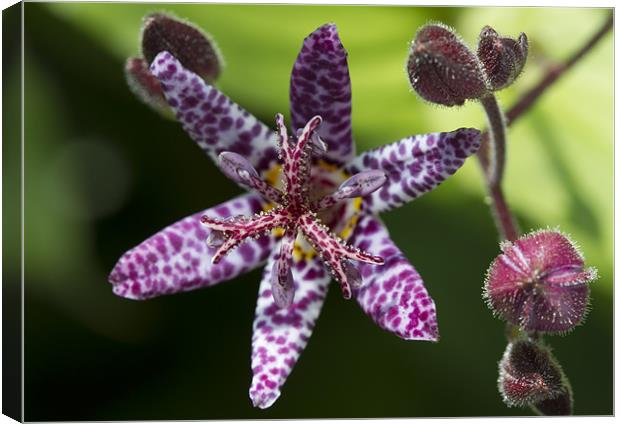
(305, 203)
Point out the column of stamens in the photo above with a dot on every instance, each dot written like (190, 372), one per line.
(296, 158)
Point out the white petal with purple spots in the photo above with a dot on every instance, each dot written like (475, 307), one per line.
(393, 294)
(320, 85)
(211, 119)
(280, 335)
(415, 165)
(177, 258)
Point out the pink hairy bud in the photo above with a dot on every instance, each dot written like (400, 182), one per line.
(539, 283)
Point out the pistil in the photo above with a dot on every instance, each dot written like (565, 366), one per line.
(295, 212)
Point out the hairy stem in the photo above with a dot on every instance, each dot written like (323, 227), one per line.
(504, 220)
(490, 160)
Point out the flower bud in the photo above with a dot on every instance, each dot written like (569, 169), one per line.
(442, 69)
(530, 375)
(145, 86)
(502, 58)
(191, 46)
(539, 283)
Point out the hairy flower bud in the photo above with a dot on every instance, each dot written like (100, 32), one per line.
(442, 69)
(187, 43)
(529, 375)
(539, 283)
(502, 58)
(145, 86)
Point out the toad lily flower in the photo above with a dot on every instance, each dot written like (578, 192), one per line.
(319, 221)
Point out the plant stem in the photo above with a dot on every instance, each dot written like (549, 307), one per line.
(497, 134)
(493, 165)
(504, 220)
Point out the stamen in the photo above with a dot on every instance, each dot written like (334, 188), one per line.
(317, 146)
(361, 184)
(236, 167)
(353, 274)
(216, 239)
(282, 286)
(239, 169)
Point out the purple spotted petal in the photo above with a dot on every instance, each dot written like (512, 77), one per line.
(280, 335)
(393, 294)
(415, 165)
(211, 119)
(177, 258)
(320, 85)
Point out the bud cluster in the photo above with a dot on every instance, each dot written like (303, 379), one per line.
(443, 70)
(190, 45)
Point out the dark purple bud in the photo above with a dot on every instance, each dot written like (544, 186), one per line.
(236, 167)
(145, 86)
(562, 404)
(192, 47)
(539, 283)
(361, 184)
(529, 375)
(502, 58)
(282, 286)
(442, 69)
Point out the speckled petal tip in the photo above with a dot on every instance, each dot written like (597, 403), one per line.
(211, 119)
(280, 335)
(177, 258)
(320, 85)
(393, 294)
(415, 165)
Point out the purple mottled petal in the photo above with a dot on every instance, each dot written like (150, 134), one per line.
(177, 258)
(211, 119)
(415, 165)
(393, 294)
(280, 335)
(320, 85)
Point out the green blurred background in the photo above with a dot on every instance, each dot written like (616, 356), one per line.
(103, 172)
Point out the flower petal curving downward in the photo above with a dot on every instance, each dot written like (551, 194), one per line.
(393, 294)
(415, 165)
(211, 119)
(177, 258)
(320, 85)
(280, 335)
